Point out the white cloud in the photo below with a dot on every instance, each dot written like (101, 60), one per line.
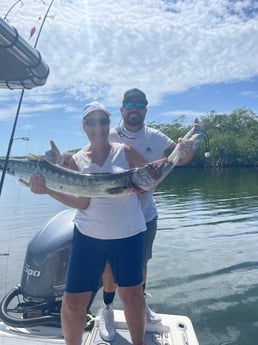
(98, 49)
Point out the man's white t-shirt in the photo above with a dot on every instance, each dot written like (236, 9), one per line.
(151, 144)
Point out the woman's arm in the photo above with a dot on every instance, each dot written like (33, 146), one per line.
(186, 150)
(38, 186)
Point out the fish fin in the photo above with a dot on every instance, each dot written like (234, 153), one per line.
(24, 183)
(31, 156)
(123, 190)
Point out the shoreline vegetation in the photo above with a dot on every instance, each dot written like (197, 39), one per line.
(233, 139)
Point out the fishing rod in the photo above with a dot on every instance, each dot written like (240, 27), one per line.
(21, 96)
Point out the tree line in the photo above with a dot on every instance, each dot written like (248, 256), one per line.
(233, 138)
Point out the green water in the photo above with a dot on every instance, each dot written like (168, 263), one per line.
(205, 256)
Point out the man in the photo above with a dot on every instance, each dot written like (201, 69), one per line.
(152, 145)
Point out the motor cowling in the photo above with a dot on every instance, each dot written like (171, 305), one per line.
(46, 259)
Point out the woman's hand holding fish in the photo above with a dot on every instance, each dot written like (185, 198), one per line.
(37, 184)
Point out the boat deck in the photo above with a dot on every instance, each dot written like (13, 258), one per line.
(173, 330)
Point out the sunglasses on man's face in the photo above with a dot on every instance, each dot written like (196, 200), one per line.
(95, 122)
(136, 105)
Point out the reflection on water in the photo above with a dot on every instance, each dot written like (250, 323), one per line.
(206, 256)
(205, 261)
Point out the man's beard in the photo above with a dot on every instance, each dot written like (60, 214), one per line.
(133, 121)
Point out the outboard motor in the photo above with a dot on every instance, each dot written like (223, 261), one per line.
(46, 260)
(38, 298)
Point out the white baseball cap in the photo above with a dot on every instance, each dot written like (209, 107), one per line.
(94, 106)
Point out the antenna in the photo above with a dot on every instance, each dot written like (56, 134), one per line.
(21, 96)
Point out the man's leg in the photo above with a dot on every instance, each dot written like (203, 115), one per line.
(73, 316)
(109, 286)
(134, 309)
(149, 237)
(106, 318)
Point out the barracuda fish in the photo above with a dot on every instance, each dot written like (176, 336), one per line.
(75, 183)
(59, 179)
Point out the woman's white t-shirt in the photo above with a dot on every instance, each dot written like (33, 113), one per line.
(109, 217)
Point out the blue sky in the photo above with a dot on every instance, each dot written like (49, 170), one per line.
(188, 56)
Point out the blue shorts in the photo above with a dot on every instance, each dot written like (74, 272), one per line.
(89, 255)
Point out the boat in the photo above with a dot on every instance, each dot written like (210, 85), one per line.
(30, 311)
(174, 330)
(22, 66)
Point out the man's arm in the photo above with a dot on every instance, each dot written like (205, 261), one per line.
(186, 148)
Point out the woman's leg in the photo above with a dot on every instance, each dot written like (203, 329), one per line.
(86, 265)
(73, 316)
(134, 309)
(126, 260)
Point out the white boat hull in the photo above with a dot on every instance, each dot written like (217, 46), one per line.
(173, 330)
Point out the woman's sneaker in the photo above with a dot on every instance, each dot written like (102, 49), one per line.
(107, 328)
(151, 316)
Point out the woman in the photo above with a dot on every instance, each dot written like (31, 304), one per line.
(106, 229)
